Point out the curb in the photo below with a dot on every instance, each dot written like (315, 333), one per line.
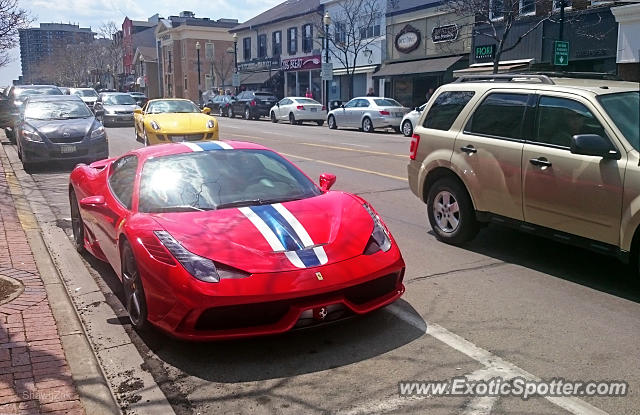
(101, 356)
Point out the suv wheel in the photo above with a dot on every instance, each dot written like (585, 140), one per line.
(247, 113)
(367, 126)
(450, 212)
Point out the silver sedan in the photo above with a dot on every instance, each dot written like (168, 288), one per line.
(367, 114)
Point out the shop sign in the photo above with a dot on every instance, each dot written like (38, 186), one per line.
(257, 65)
(302, 63)
(327, 72)
(485, 53)
(447, 33)
(408, 39)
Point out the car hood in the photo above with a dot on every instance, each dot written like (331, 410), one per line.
(89, 99)
(51, 129)
(186, 122)
(337, 224)
(128, 108)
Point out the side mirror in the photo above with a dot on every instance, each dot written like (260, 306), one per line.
(417, 109)
(137, 111)
(327, 180)
(278, 104)
(342, 106)
(93, 203)
(594, 145)
(206, 110)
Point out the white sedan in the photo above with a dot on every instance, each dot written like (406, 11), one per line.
(409, 121)
(297, 110)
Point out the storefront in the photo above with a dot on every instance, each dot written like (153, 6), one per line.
(302, 74)
(261, 74)
(628, 59)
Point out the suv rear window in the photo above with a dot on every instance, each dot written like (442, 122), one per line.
(446, 108)
(499, 115)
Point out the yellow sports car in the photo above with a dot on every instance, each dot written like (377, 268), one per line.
(163, 121)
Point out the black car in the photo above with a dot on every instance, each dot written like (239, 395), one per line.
(252, 104)
(220, 104)
(139, 97)
(62, 128)
(12, 104)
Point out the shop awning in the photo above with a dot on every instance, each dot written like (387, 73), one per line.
(414, 67)
(358, 70)
(251, 78)
(487, 68)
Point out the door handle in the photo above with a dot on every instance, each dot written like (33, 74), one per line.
(469, 149)
(540, 162)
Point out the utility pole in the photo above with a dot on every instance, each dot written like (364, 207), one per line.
(561, 37)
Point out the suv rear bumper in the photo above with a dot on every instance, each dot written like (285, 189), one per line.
(413, 173)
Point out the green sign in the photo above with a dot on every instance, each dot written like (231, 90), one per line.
(560, 53)
(484, 53)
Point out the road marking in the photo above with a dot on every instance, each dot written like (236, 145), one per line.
(494, 366)
(357, 145)
(382, 153)
(390, 176)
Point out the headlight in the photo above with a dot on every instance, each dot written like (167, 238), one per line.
(108, 111)
(155, 125)
(379, 239)
(97, 132)
(31, 135)
(201, 268)
(211, 124)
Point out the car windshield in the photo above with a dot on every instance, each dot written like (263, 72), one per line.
(85, 93)
(22, 93)
(387, 102)
(623, 110)
(56, 110)
(160, 107)
(208, 180)
(118, 100)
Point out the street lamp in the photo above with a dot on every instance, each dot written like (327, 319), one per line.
(235, 56)
(199, 85)
(327, 21)
(141, 72)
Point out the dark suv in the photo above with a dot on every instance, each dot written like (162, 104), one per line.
(252, 104)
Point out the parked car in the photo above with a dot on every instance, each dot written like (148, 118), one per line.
(175, 120)
(367, 114)
(53, 128)
(115, 108)
(409, 121)
(12, 106)
(139, 97)
(226, 239)
(252, 104)
(220, 104)
(557, 157)
(88, 95)
(297, 110)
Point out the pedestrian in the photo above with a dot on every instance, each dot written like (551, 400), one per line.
(308, 94)
(429, 94)
(371, 93)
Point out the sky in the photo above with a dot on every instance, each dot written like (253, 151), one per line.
(91, 13)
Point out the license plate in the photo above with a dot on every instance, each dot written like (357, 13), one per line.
(399, 114)
(124, 118)
(177, 138)
(67, 149)
(314, 110)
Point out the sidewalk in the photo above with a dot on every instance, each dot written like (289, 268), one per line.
(34, 373)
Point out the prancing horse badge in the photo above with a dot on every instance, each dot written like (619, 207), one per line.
(319, 276)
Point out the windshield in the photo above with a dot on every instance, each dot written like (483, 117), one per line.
(624, 110)
(160, 107)
(56, 110)
(118, 100)
(208, 180)
(22, 93)
(388, 102)
(85, 93)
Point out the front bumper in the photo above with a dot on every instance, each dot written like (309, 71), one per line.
(265, 304)
(85, 150)
(118, 119)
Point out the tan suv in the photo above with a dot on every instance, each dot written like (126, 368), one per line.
(554, 156)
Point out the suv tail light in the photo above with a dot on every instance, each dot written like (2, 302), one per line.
(385, 113)
(300, 107)
(253, 103)
(413, 149)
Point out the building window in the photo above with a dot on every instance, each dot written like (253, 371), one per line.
(184, 49)
(186, 85)
(567, 4)
(340, 32)
(262, 46)
(307, 38)
(209, 51)
(276, 40)
(292, 40)
(246, 48)
(527, 7)
(372, 31)
(496, 9)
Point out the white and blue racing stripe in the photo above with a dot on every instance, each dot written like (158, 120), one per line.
(208, 145)
(285, 233)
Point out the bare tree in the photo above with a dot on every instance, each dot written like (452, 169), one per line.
(12, 18)
(353, 22)
(223, 66)
(114, 51)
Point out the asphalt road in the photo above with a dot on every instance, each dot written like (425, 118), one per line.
(505, 304)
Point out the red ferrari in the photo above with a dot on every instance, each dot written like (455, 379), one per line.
(226, 239)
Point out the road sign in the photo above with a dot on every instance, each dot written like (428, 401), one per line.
(235, 80)
(326, 73)
(560, 53)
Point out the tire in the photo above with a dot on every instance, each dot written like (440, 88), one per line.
(273, 118)
(247, 113)
(292, 119)
(332, 122)
(451, 213)
(320, 123)
(11, 135)
(396, 129)
(145, 139)
(407, 128)
(134, 298)
(77, 226)
(367, 125)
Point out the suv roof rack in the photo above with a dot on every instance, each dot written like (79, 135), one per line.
(504, 77)
(579, 75)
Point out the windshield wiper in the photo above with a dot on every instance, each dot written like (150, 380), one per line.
(256, 202)
(186, 208)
